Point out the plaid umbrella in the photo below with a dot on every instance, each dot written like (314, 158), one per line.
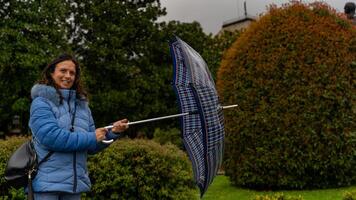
(203, 129)
(201, 114)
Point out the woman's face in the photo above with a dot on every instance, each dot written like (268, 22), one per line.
(64, 74)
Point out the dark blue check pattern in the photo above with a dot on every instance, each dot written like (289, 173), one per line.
(203, 132)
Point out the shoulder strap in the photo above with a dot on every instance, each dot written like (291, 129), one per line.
(45, 158)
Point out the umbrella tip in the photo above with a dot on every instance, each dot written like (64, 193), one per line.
(230, 106)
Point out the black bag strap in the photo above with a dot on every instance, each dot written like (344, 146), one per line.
(45, 158)
(30, 195)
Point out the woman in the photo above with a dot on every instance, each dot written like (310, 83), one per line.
(61, 122)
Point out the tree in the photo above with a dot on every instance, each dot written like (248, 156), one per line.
(30, 32)
(292, 75)
(123, 51)
(215, 49)
(125, 54)
(120, 47)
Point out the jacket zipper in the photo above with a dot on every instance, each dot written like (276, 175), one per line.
(74, 154)
(75, 172)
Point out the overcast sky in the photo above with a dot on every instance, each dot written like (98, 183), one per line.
(212, 13)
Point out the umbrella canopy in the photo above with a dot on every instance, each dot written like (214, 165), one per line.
(203, 129)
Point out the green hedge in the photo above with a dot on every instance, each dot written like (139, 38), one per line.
(172, 136)
(128, 169)
(280, 196)
(292, 73)
(349, 196)
(141, 169)
(6, 149)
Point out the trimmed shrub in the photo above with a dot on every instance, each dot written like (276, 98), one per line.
(141, 169)
(349, 196)
(172, 136)
(292, 75)
(7, 148)
(128, 169)
(277, 197)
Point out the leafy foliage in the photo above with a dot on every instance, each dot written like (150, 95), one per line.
(172, 136)
(128, 169)
(7, 148)
(141, 169)
(279, 196)
(123, 51)
(349, 195)
(125, 54)
(291, 74)
(115, 40)
(216, 47)
(30, 32)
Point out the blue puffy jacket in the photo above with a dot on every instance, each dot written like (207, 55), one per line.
(50, 123)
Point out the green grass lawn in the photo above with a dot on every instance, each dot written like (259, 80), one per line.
(221, 189)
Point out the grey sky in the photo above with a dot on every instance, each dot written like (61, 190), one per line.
(212, 13)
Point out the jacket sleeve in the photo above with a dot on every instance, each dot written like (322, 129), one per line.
(44, 127)
(99, 146)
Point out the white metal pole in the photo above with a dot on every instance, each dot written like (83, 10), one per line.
(151, 120)
(160, 118)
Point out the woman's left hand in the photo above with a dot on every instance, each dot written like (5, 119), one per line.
(120, 126)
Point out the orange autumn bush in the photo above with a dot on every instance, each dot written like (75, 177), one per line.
(292, 73)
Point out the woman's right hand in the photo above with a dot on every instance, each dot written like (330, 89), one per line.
(100, 134)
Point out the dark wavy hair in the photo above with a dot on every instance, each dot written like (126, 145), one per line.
(46, 77)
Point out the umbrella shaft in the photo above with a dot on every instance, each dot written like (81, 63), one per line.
(168, 116)
(152, 119)
(158, 118)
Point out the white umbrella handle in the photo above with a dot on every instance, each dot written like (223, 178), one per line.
(107, 141)
(160, 118)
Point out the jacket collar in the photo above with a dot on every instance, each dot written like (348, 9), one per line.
(50, 93)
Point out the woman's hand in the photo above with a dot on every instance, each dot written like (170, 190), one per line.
(120, 126)
(100, 134)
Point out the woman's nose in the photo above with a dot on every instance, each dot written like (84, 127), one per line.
(67, 74)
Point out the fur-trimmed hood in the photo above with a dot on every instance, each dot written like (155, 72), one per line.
(50, 93)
